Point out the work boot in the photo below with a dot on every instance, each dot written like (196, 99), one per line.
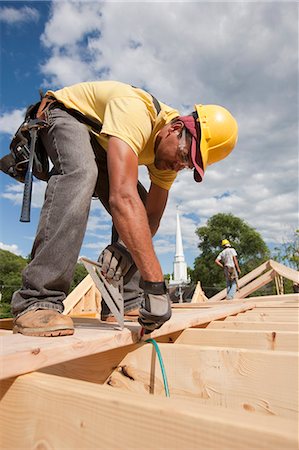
(43, 322)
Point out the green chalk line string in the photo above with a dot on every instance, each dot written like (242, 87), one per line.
(164, 376)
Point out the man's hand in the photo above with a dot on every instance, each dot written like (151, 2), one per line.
(155, 309)
(116, 262)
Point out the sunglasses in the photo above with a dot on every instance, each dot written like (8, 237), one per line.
(184, 148)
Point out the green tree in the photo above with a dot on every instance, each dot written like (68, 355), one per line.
(288, 252)
(11, 267)
(252, 250)
(79, 274)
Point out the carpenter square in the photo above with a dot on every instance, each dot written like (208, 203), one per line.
(112, 294)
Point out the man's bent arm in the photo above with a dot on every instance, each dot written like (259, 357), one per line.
(155, 206)
(219, 263)
(128, 212)
(236, 264)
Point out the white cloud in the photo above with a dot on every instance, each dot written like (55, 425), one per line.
(187, 53)
(69, 23)
(18, 15)
(13, 248)
(14, 192)
(237, 66)
(10, 121)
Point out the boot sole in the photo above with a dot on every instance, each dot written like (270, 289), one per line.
(43, 332)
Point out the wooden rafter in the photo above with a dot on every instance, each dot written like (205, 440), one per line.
(255, 279)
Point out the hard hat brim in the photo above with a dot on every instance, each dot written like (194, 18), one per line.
(199, 155)
(198, 151)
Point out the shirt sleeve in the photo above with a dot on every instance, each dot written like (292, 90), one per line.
(219, 257)
(162, 178)
(128, 119)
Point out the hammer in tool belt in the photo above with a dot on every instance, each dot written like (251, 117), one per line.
(32, 126)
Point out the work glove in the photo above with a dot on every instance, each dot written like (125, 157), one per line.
(117, 262)
(155, 308)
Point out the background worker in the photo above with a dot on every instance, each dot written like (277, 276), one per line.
(227, 260)
(136, 130)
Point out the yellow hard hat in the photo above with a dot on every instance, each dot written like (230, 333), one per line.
(218, 133)
(225, 242)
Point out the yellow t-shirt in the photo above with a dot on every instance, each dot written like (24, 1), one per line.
(125, 112)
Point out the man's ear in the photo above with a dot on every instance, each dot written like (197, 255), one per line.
(177, 126)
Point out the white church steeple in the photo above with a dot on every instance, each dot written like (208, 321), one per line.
(179, 264)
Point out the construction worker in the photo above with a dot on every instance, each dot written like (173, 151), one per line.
(136, 129)
(227, 260)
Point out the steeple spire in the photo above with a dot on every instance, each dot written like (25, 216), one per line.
(179, 264)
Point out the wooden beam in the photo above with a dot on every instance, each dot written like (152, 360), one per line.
(279, 284)
(21, 354)
(91, 416)
(251, 339)
(286, 299)
(244, 280)
(5, 332)
(216, 376)
(284, 271)
(78, 294)
(199, 295)
(256, 284)
(276, 305)
(278, 314)
(264, 317)
(247, 325)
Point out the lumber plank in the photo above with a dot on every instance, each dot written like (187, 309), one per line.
(256, 284)
(291, 316)
(251, 339)
(285, 271)
(5, 332)
(91, 416)
(285, 299)
(264, 317)
(276, 305)
(247, 325)
(216, 376)
(21, 354)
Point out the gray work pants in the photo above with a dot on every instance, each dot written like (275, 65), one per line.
(80, 169)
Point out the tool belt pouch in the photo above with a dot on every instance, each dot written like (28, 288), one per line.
(231, 273)
(15, 164)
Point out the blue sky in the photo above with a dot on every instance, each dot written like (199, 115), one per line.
(242, 55)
